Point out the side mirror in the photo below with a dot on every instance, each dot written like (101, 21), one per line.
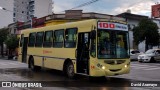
(93, 34)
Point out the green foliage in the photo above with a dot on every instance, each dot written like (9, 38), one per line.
(146, 30)
(12, 41)
(3, 34)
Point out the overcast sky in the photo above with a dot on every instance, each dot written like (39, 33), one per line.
(113, 7)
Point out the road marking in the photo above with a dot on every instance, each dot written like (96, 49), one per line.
(3, 64)
(144, 66)
(145, 63)
(151, 69)
(14, 63)
(139, 65)
(11, 63)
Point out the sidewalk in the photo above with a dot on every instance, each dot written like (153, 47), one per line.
(6, 58)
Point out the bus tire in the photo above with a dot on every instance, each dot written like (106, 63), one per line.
(70, 70)
(32, 66)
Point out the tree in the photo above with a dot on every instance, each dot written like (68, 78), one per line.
(12, 43)
(3, 36)
(146, 30)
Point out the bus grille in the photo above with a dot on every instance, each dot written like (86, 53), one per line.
(115, 70)
(114, 62)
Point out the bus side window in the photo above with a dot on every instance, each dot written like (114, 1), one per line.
(32, 39)
(58, 38)
(70, 37)
(39, 39)
(48, 39)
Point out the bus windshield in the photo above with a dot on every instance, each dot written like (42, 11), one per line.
(112, 44)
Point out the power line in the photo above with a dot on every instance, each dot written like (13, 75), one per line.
(134, 4)
(139, 2)
(82, 5)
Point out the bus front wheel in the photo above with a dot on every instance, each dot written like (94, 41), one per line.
(70, 70)
(32, 66)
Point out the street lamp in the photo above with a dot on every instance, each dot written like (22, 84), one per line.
(2, 8)
(17, 12)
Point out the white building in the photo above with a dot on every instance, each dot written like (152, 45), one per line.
(6, 17)
(24, 10)
(41, 8)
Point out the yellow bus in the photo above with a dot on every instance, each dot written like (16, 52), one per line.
(94, 47)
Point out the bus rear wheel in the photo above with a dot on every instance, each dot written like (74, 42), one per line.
(70, 70)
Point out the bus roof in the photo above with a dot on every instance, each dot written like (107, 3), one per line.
(89, 23)
(83, 23)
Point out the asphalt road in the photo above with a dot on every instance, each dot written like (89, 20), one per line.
(141, 73)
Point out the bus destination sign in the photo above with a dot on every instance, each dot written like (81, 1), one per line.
(112, 26)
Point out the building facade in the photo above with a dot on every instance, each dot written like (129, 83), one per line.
(156, 11)
(25, 10)
(68, 16)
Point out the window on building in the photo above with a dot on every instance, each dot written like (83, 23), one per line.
(58, 38)
(14, 9)
(14, 14)
(70, 37)
(39, 39)
(48, 39)
(14, 19)
(14, 31)
(31, 39)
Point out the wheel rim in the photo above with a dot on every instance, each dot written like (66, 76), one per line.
(70, 70)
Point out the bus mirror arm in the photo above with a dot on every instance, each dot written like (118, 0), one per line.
(76, 53)
(93, 34)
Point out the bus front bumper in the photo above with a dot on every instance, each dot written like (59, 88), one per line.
(111, 72)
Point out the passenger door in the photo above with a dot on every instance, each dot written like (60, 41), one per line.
(83, 53)
(24, 49)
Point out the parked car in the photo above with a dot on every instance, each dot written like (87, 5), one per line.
(150, 55)
(134, 53)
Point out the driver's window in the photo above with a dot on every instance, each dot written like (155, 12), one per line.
(104, 41)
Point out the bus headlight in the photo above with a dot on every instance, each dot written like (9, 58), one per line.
(125, 66)
(103, 67)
